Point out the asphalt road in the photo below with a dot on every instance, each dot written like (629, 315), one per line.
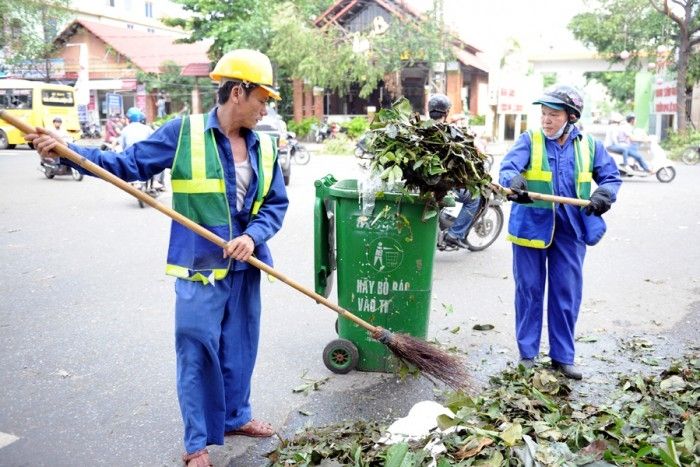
(86, 316)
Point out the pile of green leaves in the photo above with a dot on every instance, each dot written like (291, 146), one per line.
(527, 416)
(428, 156)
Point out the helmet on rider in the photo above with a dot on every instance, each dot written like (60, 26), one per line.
(251, 67)
(134, 114)
(438, 106)
(563, 98)
(630, 117)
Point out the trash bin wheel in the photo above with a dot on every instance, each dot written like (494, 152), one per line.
(340, 356)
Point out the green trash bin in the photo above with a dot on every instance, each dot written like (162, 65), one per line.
(385, 269)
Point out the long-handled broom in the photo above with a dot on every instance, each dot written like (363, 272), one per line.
(544, 197)
(426, 357)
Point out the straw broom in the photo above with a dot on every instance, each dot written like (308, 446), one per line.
(427, 358)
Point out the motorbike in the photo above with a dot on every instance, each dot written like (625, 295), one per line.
(90, 130)
(297, 151)
(661, 165)
(321, 132)
(51, 167)
(484, 229)
(691, 155)
(149, 188)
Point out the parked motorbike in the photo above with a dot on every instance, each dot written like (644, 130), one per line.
(297, 151)
(484, 229)
(661, 165)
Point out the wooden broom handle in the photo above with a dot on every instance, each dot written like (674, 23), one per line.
(543, 197)
(65, 151)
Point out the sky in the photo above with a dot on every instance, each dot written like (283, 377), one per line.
(539, 25)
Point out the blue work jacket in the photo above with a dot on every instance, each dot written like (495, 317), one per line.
(147, 158)
(561, 162)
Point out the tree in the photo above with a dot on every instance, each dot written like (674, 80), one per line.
(27, 31)
(178, 87)
(331, 58)
(632, 31)
(335, 59)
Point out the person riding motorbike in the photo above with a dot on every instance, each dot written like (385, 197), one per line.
(137, 131)
(439, 106)
(621, 140)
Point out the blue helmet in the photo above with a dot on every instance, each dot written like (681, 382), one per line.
(134, 114)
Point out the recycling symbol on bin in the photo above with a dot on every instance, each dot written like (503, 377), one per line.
(384, 254)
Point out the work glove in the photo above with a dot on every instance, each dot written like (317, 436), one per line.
(600, 202)
(518, 186)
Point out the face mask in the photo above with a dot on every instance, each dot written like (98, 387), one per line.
(558, 134)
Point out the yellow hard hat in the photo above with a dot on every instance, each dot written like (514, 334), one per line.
(246, 65)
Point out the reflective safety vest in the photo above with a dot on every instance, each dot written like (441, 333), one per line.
(199, 193)
(532, 225)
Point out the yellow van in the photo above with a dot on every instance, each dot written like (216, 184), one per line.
(37, 103)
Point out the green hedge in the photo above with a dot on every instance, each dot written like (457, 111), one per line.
(356, 127)
(675, 143)
(303, 128)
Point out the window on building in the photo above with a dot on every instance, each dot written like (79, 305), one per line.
(111, 3)
(149, 9)
(129, 26)
(151, 30)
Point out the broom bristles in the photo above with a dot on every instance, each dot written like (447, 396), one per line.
(428, 358)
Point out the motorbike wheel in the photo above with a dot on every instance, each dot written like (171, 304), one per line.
(4, 142)
(691, 156)
(485, 229)
(77, 176)
(49, 174)
(666, 174)
(302, 156)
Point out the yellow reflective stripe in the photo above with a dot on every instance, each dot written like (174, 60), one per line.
(525, 242)
(184, 273)
(583, 154)
(209, 185)
(536, 153)
(199, 162)
(267, 162)
(538, 175)
(584, 177)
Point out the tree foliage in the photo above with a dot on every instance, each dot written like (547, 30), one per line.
(620, 86)
(335, 59)
(178, 87)
(328, 57)
(618, 27)
(27, 30)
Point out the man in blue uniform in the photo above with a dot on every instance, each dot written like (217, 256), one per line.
(549, 239)
(224, 177)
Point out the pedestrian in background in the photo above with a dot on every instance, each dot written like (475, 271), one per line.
(241, 197)
(549, 239)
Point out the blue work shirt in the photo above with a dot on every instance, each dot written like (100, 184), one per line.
(561, 162)
(149, 157)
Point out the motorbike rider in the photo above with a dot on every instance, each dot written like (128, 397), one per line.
(621, 140)
(224, 177)
(137, 131)
(439, 106)
(549, 239)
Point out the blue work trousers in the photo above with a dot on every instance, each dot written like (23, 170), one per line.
(560, 266)
(216, 341)
(466, 214)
